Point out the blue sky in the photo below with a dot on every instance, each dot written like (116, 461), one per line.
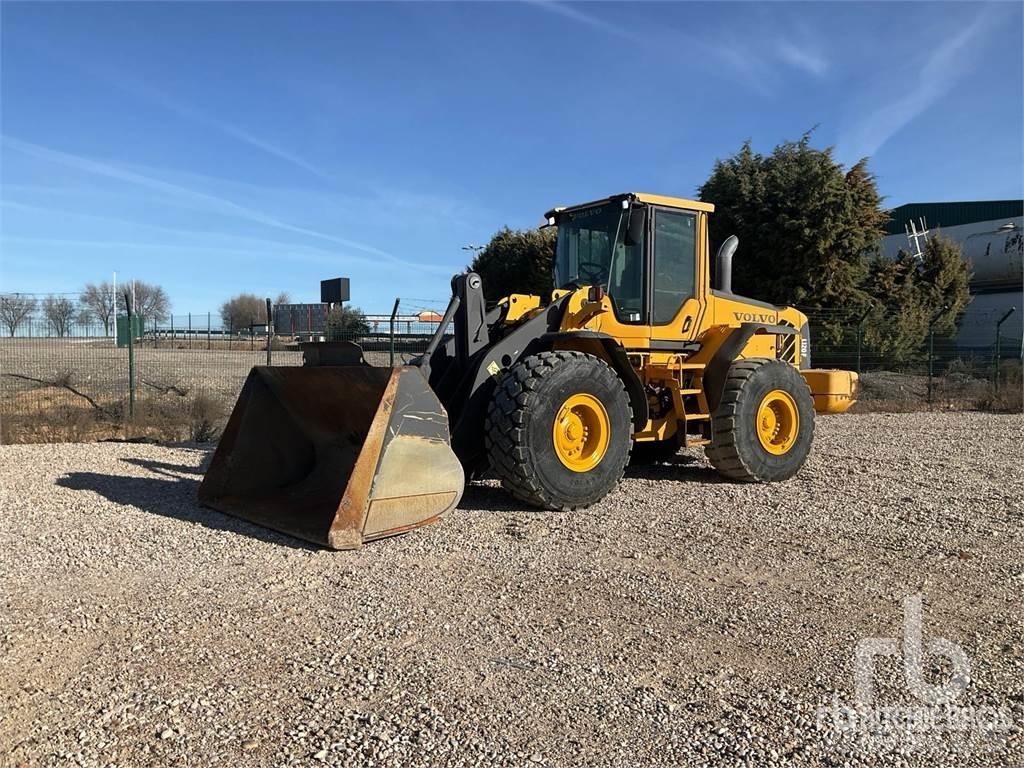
(221, 147)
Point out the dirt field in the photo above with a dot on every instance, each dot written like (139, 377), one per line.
(99, 368)
(60, 390)
(77, 389)
(682, 621)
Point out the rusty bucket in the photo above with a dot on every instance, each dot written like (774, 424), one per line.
(336, 455)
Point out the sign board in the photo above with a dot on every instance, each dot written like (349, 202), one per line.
(137, 326)
(292, 319)
(334, 291)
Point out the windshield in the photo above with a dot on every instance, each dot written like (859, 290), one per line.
(585, 256)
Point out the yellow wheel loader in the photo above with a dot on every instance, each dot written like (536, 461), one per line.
(635, 351)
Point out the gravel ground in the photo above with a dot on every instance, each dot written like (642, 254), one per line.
(682, 621)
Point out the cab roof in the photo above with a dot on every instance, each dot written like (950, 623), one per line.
(643, 197)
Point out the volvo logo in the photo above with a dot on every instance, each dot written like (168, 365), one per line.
(752, 317)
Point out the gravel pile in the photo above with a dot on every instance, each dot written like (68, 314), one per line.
(682, 621)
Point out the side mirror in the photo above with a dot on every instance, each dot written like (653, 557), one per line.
(635, 227)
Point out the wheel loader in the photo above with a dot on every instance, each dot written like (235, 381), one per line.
(637, 351)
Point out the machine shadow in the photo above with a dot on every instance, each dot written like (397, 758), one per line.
(485, 497)
(173, 497)
(479, 497)
(171, 470)
(681, 467)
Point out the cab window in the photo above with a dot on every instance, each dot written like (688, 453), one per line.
(675, 263)
(593, 249)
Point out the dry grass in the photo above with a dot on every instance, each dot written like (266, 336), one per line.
(1009, 396)
(50, 414)
(187, 393)
(180, 393)
(957, 389)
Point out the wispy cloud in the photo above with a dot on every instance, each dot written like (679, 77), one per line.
(572, 12)
(283, 253)
(803, 58)
(663, 41)
(204, 241)
(750, 62)
(455, 210)
(205, 201)
(148, 93)
(937, 73)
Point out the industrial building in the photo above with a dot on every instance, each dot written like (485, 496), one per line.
(991, 236)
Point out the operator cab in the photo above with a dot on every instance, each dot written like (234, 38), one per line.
(622, 242)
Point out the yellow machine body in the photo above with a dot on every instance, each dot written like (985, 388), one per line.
(339, 453)
(708, 319)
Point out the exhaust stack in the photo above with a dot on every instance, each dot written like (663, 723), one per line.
(725, 253)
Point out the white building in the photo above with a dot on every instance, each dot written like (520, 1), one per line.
(991, 235)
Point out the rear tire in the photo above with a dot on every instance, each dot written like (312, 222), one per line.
(763, 427)
(554, 411)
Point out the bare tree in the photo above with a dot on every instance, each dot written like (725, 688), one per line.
(99, 301)
(283, 298)
(243, 310)
(14, 309)
(59, 313)
(150, 300)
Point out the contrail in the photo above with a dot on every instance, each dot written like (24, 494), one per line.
(212, 202)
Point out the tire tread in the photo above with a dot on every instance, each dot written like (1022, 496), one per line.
(504, 436)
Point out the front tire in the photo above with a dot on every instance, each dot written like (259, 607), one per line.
(559, 429)
(763, 427)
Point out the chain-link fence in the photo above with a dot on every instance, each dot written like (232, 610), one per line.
(178, 378)
(978, 365)
(170, 380)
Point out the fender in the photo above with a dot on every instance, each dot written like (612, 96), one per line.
(717, 368)
(467, 391)
(611, 351)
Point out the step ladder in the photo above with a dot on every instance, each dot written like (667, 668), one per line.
(701, 414)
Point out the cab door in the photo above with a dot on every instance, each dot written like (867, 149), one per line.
(675, 278)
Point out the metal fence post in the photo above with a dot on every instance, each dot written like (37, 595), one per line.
(190, 330)
(999, 326)
(931, 348)
(208, 343)
(131, 357)
(931, 357)
(394, 312)
(270, 330)
(860, 334)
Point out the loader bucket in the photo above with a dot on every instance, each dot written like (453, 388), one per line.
(336, 455)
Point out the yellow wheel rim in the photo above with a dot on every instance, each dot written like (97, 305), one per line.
(580, 432)
(778, 422)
